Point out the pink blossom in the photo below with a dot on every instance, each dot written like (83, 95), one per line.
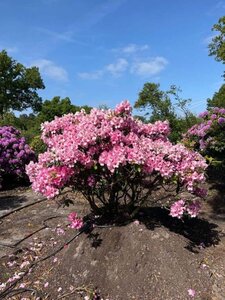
(191, 293)
(86, 150)
(24, 264)
(60, 231)
(177, 209)
(72, 216)
(10, 264)
(76, 222)
(2, 286)
(204, 266)
(91, 181)
(136, 222)
(193, 208)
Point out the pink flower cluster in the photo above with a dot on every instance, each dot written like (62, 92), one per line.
(180, 207)
(209, 133)
(48, 180)
(84, 149)
(76, 222)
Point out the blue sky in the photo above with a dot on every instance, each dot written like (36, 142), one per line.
(103, 51)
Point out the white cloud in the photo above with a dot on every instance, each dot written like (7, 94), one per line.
(150, 67)
(117, 68)
(130, 49)
(91, 75)
(133, 48)
(51, 70)
(63, 36)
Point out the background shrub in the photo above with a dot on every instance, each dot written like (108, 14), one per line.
(208, 137)
(15, 153)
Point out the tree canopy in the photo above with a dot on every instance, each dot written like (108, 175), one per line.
(162, 105)
(218, 99)
(217, 46)
(58, 107)
(18, 85)
(159, 103)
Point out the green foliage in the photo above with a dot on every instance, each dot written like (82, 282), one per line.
(37, 145)
(217, 46)
(155, 99)
(103, 106)
(18, 85)
(58, 107)
(218, 99)
(159, 106)
(28, 125)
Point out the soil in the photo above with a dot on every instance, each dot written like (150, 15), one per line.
(152, 257)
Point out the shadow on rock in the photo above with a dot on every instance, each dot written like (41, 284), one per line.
(10, 202)
(217, 202)
(95, 239)
(199, 232)
(11, 183)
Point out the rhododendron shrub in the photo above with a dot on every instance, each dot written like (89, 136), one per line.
(15, 153)
(208, 137)
(113, 159)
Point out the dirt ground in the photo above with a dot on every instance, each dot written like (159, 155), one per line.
(154, 257)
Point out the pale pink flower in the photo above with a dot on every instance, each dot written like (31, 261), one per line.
(177, 209)
(60, 231)
(136, 222)
(191, 293)
(2, 286)
(24, 264)
(204, 266)
(10, 264)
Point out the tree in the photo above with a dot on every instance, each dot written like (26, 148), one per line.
(18, 85)
(58, 107)
(217, 46)
(157, 101)
(162, 106)
(218, 99)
